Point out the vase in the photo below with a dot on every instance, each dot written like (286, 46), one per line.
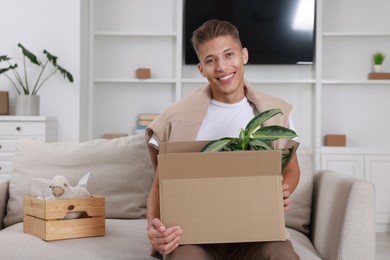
(27, 105)
(377, 68)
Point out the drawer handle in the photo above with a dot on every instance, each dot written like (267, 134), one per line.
(1, 146)
(18, 128)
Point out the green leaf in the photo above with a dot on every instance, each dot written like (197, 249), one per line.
(11, 67)
(258, 120)
(286, 156)
(4, 58)
(274, 132)
(258, 144)
(65, 73)
(50, 57)
(217, 145)
(29, 55)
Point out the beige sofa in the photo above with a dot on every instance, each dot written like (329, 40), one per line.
(331, 217)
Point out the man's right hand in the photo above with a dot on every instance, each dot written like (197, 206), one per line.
(164, 239)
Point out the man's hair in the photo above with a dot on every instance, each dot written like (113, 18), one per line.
(212, 29)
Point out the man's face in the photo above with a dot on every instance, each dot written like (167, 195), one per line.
(221, 61)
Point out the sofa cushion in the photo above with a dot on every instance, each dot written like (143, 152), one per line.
(124, 239)
(120, 171)
(298, 215)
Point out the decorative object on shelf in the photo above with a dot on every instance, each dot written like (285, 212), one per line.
(379, 75)
(4, 103)
(378, 59)
(143, 73)
(143, 122)
(27, 105)
(25, 88)
(335, 140)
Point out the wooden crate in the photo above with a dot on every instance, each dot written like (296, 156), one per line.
(46, 218)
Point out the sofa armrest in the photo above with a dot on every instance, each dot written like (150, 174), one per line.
(4, 184)
(343, 220)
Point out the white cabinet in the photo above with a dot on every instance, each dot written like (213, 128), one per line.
(378, 171)
(14, 128)
(371, 164)
(352, 165)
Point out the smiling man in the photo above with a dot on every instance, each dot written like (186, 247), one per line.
(219, 109)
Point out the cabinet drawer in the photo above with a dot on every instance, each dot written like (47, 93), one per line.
(5, 167)
(22, 128)
(7, 146)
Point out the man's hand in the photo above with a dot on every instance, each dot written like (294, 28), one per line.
(163, 239)
(286, 196)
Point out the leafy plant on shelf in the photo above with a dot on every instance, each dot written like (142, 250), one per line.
(22, 85)
(255, 137)
(378, 58)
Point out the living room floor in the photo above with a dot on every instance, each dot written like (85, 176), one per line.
(382, 246)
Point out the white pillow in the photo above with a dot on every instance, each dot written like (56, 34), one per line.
(298, 215)
(120, 168)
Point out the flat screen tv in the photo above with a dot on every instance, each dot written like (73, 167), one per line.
(274, 31)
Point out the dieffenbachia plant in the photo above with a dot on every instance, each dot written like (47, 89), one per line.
(255, 137)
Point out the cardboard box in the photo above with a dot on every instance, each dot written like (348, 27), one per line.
(335, 140)
(221, 197)
(4, 103)
(142, 73)
(46, 218)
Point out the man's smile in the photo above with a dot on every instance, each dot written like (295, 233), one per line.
(227, 77)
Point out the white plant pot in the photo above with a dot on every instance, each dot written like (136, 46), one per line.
(27, 105)
(377, 68)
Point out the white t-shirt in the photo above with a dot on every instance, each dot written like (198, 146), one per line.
(225, 120)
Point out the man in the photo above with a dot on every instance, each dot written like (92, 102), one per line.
(217, 110)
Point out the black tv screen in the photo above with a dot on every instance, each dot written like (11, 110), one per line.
(274, 31)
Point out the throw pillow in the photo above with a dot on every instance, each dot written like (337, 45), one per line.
(298, 215)
(120, 168)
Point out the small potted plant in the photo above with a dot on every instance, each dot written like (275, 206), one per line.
(377, 60)
(27, 100)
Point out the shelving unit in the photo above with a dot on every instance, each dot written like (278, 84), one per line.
(348, 42)
(332, 96)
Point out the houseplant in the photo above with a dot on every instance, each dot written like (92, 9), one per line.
(26, 86)
(378, 59)
(255, 137)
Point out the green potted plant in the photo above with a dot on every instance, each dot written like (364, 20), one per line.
(255, 137)
(27, 100)
(377, 60)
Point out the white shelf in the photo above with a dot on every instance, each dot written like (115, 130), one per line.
(134, 34)
(356, 82)
(356, 34)
(372, 150)
(135, 81)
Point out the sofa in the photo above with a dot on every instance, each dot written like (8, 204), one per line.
(331, 215)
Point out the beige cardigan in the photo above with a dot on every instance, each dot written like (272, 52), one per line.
(182, 119)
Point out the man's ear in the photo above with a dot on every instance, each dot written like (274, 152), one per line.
(200, 68)
(245, 55)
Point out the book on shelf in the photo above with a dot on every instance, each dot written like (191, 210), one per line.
(147, 116)
(140, 129)
(143, 121)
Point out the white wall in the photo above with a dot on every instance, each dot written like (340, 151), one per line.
(53, 25)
